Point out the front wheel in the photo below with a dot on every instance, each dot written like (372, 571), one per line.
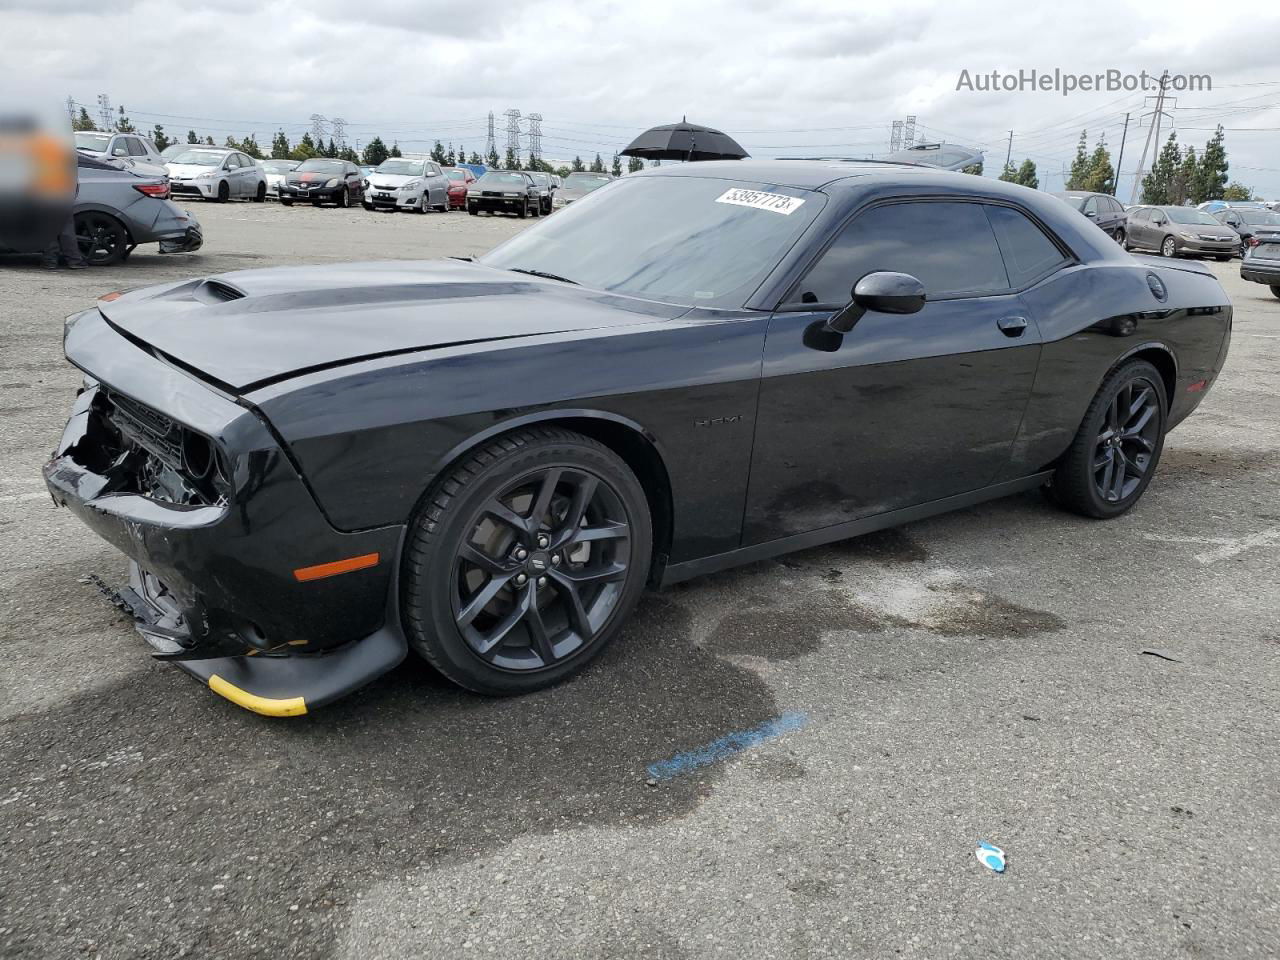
(224, 192)
(344, 198)
(1168, 248)
(474, 211)
(525, 560)
(524, 210)
(1118, 445)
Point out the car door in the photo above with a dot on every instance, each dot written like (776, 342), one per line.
(355, 182)
(437, 185)
(1139, 227)
(904, 409)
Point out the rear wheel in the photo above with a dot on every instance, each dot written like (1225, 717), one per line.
(285, 203)
(524, 561)
(1118, 445)
(102, 239)
(1168, 247)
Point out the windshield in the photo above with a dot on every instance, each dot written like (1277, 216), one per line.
(199, 158)
(92, 141)
(584, 181)
(331, 167)
(279, 166)
(1259, 218)
(456, 175)
(496, 181)
(1187, 215)
(399, 167)
(682, 239)
(1075, 201)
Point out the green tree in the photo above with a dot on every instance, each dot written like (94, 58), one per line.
(192, 137)
(124, 124)
(1008, 174)
(563, 171)
(1027, 175)
(305, 150)
(83, 121)
(616, 169)
(450, 158)
(1080, 166)
(1101, 176)
(634, 164)
(475, 158)
(1235, 190)
(375, 151)
(973, 168)
(510, 161)
(232, 143)
(348, 154)
(437, 152)
(577, 165)
(491, 160)
(1184, 179)
(1211, 174)
(209, 141)
(159, 138)
(280, 146)
(395, 149)
(1156, 185)
(597, 165)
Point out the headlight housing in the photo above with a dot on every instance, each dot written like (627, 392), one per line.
(332, 183)
(512, 195)
(411, 185)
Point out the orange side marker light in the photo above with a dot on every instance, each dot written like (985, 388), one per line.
(322, 570)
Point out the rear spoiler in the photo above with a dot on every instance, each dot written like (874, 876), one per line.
(1187, 266)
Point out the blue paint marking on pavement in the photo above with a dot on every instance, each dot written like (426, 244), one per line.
(727, 746)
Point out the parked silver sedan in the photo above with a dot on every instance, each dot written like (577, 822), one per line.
(217, 173)
(117, 210)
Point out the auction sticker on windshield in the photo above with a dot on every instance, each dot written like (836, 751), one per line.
(773, 202)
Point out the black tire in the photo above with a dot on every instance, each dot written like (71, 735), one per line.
(102, 239)
(1091, 467)
(1275, 291)
(344, 198)
(285, 203)
(1224, 259)
(224, 192)
(1168, 247)
(524, 210)
(261, 195)
(460, 592)
(1119, 236)
(474, 211)
(316, 203)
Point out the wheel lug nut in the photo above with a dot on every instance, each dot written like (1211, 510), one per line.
(521, 554)
(555, 559)
(542, 581)
(543, 541)
(522, 579)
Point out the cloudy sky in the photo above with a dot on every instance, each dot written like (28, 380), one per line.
(800, 77)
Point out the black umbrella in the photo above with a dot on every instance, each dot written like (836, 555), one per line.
(684, 141)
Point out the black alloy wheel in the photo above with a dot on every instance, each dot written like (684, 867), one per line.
(102, 239)
(1115, 452)
(525, 560)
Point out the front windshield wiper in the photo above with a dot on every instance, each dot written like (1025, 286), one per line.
(544, 274)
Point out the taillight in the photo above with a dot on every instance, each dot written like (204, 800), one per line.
(160, 190)
(1252, 241)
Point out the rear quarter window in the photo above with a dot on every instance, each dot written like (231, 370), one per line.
(1028, 252)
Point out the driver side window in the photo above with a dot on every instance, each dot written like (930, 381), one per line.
(948, 246)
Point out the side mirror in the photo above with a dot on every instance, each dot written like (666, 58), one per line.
(1090, 214)
(882, 292)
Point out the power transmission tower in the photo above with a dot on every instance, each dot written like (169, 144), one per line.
(104, 111)
(909, 132)
(1157, 113)
(895, 137)
(340, 132)
(535, 136)
(317, 128)
(492, 146)
(71, 110)
(513, 132)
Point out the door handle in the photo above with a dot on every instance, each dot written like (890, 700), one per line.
(1012, 326)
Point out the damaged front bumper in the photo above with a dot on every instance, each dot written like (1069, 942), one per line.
(219, 551)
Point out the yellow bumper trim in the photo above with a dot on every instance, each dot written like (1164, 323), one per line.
(267, 706)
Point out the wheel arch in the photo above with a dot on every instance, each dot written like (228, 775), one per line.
(639, 449)
(1161, 357)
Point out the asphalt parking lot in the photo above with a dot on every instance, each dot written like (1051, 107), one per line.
(975, 676)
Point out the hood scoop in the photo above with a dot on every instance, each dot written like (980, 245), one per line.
(216, 291)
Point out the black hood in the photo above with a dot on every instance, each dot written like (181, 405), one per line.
(253, 327)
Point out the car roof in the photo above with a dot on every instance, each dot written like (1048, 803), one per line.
(799, 174)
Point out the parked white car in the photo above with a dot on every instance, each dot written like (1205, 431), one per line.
(130, 151)
(217, 173)
(407, 183)
(276, 171)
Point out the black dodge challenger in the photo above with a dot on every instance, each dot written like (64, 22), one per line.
(314, 469)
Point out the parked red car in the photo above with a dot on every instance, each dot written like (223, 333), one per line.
(459, 179)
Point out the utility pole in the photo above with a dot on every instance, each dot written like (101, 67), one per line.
(1008, 157)
(1115, 186)
(1153, 129)
(71, 110)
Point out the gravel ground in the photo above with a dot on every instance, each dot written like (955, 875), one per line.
(975, 676)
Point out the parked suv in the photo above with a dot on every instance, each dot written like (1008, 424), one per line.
(1178, 231)
(1103, 209)
(131, 150)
